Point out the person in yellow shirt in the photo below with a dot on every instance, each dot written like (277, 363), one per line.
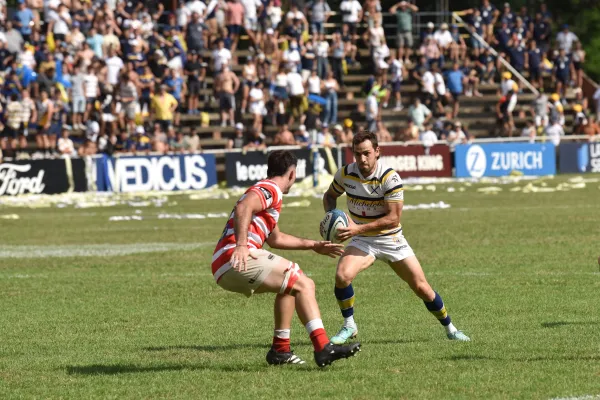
(162, 108)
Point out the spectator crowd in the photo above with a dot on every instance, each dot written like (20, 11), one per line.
(121, 76)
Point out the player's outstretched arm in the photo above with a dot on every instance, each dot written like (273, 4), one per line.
(391, 220)
(244, 210)
(283, 241)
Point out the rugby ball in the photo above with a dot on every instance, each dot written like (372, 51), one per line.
(333, 220)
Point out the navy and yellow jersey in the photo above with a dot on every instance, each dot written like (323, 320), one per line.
(366, 197)
(146, 79)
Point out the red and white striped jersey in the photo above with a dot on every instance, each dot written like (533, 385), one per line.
(259, 230)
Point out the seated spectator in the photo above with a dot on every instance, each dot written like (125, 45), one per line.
(160, 143)
(141, 141)
(428, 136)
(319, 12)
(383, 135)
(255, 141)
(486, 65)
(578, 58)
(325, 138)
(418, 113)
(284, 137)
(431, 51)
(458, 47)
(443, 38)
(65, 145)
(557, 112)
(591, 129)
(193, 141)
(580, 119)
(457, 136)
(477, 27)
(427, 32)
(238, 141)
(555, 132)
(352, 13)
(506, 84)
(302, 137)
(339, 134)
(529, 131)
(348, 129)
(471, 79)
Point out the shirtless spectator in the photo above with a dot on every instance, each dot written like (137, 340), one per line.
(284, 137)
(226, 85)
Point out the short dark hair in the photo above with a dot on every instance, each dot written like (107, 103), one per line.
(279, 162)
(363, 136)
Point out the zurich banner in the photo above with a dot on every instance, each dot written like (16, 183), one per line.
(163, 173)
(579, 157)
(500, 159)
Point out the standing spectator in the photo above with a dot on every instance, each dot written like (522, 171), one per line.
(280, 95)
(257, 105)
(45, 107)
(504, 114)
(14, 39)
(539, 111)
(146, 84)
(127, 98)
(418, 113)
(431, 97)
(507, 15)
(541, 32)
(578, 58)
(251, 19)
(337, 58)
(114, 65)
(506, 84)
(178, 89)
(249, 80)
(162, 108)
(24, 20)
(238, 140)
(563, 69)
(404, 36)
(194, 34)
(221, 56)
(398, 72)
(28, 117)
(489, 14)
(91, 90)
(565, 39)
(78, 99)
(352, 13)
(12, 128)
(226, 85)
(330, 91)
(196, 74)
(533, 62)
(477, 26)
(65, 145)
(455, 79)
(350, 48)
(516, 53)
(319, 12)
(372, 111)
(322, 54)
(296, 91)
(557, 112)
(234, 17)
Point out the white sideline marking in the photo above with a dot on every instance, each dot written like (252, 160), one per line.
(92, 250)
(584, 397)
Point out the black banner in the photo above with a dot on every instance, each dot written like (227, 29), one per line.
(247, 169)
(42, 176)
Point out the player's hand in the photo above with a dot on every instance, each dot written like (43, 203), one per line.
(346, 233)
(329, 249)
(239, 258)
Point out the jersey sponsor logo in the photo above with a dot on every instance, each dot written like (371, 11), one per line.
(12, 184)
(350, 186)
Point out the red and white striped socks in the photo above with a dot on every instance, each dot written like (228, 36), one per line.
(317, 334)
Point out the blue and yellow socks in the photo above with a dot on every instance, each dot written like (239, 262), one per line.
(437, 308)
(345, 299)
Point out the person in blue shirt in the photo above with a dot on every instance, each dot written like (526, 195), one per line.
(524, 15)
(454, 81)
(507, 15)
(486, 64)
(516, 53)
(95, 41)
(563, 68)
(24, 20)
(177, 88)
(542, 32)
(533, 61)
(489, 14)
(503, 36)
(12, 85)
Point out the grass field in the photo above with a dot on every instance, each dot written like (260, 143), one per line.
(93, 308)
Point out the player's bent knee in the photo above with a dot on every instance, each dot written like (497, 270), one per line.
(291, 278)
(304, 285)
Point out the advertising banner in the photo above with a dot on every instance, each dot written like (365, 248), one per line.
(500, 159)
(414, 161)
(42, 177)
(579, 157)
(162, 173)
(247, 169)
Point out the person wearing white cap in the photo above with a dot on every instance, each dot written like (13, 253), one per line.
(443, 37)
(302, 137)
(238, 141)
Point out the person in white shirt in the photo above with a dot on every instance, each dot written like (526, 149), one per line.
(257, 105)
(65, 145)
(529, 131)
(506, 84)
(250, 18)
(398, 71)
(322, 51)
(296, 91)
(443, 38)
(457, 136)
(428, 136)
(196, 6)
(291, 56)
(90, 89)
(114, 64)
(352, 12)
(371, 111)
(555, 132)
(221, 56)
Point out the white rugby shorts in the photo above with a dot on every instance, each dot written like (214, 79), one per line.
(390, 249)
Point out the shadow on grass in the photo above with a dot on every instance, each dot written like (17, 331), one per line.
(117, 369)
(265, 346)
(564, 323)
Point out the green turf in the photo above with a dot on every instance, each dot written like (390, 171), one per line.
(517, 271)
